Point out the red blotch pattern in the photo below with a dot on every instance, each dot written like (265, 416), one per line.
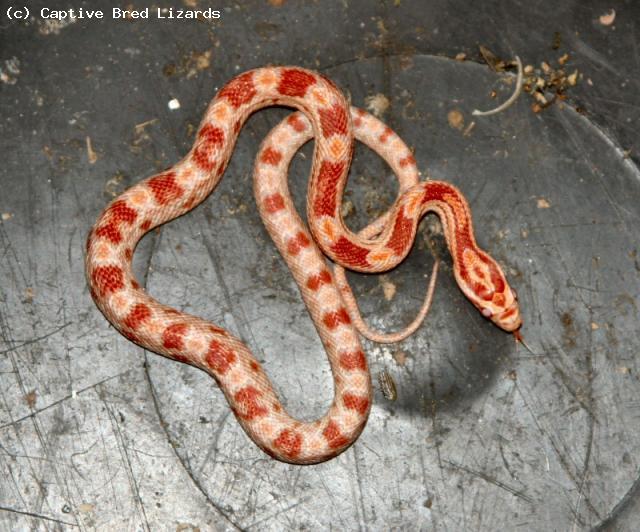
(107, 279)
(296, 123)
(409, 159)
(173, 336)
(239, 90)
(496, 278)
(271, 156)
(247, 405)
(333, 121)
(356, 402)
(120, 212)
(210, 138)
(385, 134)
(295, 244)
(164, 188)
(325, 193)
(499, 299)
(353, 361)
(219, 357)
(289, 443)
(333, 319)
(139, 314)
(401, 236)
(334, 437)
(274, 203)
(295, 82)
(115, 215)
(349, 253)
(316, 281)
(440, 191)
(109, 231)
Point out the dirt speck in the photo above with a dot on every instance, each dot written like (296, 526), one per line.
(400, 357)
(347, 209)
(10, 71)
(455, 119)
(608, 18)
(29, 294)
(112, 187)
(388, 288)
(377, 104)
(30, 399)
(92, 156)
(543, 203)
(190, 65)
(570, 333)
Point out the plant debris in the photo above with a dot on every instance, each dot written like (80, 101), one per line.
(388, 288)
(190, 65)
(543, 203)
(387, 385)
(92, 156)
(496, 64)
(608, 18)
(546, 84)
(511, 99)
(377, 104)
(455, 119)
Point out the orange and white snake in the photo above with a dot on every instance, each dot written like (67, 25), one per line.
(326, 116)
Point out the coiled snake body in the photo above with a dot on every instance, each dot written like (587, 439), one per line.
(325, 115)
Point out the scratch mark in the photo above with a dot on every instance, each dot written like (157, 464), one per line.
(62, 400)
(479, 474)
(37, 339)
(37, 516)
(127, 460)
(172, 445)
(279, 512)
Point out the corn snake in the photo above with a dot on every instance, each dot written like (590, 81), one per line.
(325, 115)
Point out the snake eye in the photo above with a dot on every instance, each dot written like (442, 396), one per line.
(486, 312)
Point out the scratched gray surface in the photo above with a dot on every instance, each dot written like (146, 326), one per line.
(96, 434)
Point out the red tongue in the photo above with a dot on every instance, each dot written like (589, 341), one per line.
(518, 336)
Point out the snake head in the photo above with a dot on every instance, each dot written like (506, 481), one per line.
(484, 283)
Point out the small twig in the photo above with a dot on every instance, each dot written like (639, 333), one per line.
(511, 99)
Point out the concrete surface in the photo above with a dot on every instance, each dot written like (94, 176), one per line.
(96, 434)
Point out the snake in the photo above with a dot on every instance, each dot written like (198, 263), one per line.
(323, 113)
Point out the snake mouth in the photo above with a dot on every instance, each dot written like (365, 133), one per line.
(509, 319)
